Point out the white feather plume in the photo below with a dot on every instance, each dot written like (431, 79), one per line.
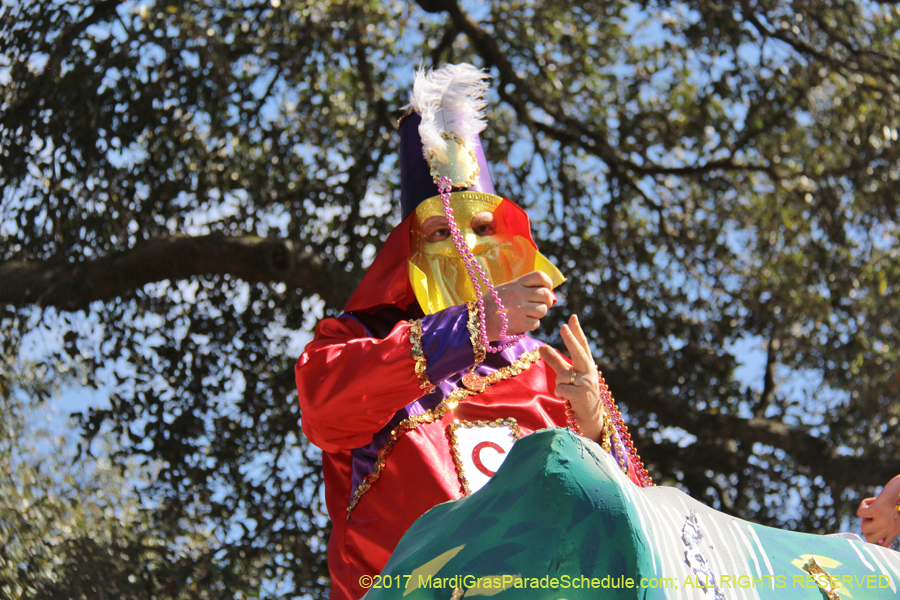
(449, 100)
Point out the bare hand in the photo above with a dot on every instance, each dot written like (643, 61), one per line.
(526, 301)
(582, 391)
(880, 519)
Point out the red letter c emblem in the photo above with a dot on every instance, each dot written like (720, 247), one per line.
(476, 456)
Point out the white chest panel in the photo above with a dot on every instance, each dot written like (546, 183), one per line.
(479, 448)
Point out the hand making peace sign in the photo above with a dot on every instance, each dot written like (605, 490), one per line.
(580, 382)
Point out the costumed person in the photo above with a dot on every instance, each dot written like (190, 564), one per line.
(417, 392)
(881, 515)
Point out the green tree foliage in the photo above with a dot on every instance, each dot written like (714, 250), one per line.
(72, 526)
(189, 186)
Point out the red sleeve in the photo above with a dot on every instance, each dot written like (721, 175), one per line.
(350, 385)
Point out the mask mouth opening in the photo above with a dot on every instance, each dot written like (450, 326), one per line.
(442, 281)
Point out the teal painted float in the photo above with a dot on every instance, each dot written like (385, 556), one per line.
(560, 520)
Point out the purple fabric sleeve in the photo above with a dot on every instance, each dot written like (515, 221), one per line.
(446, 344)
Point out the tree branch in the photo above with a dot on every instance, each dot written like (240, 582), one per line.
(768, 392)
(566, 129)
(73, 286)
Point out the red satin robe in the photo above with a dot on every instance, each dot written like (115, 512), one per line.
(351, 385)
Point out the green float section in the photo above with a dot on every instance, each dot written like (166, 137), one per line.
(560, 520)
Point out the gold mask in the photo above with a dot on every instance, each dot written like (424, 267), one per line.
(438, 273)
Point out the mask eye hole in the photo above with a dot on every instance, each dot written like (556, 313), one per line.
(483, 223)
(436, 229)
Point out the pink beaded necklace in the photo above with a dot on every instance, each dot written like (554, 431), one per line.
(475, 271)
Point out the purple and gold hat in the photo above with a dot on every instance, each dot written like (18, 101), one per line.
(439, 135)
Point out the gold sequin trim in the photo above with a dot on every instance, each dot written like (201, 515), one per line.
(415, 338)
(607, 434)
(472, 324)
(454, 447)
(432, 415)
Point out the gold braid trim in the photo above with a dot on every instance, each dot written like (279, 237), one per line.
(432, 415)
(415, 338)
